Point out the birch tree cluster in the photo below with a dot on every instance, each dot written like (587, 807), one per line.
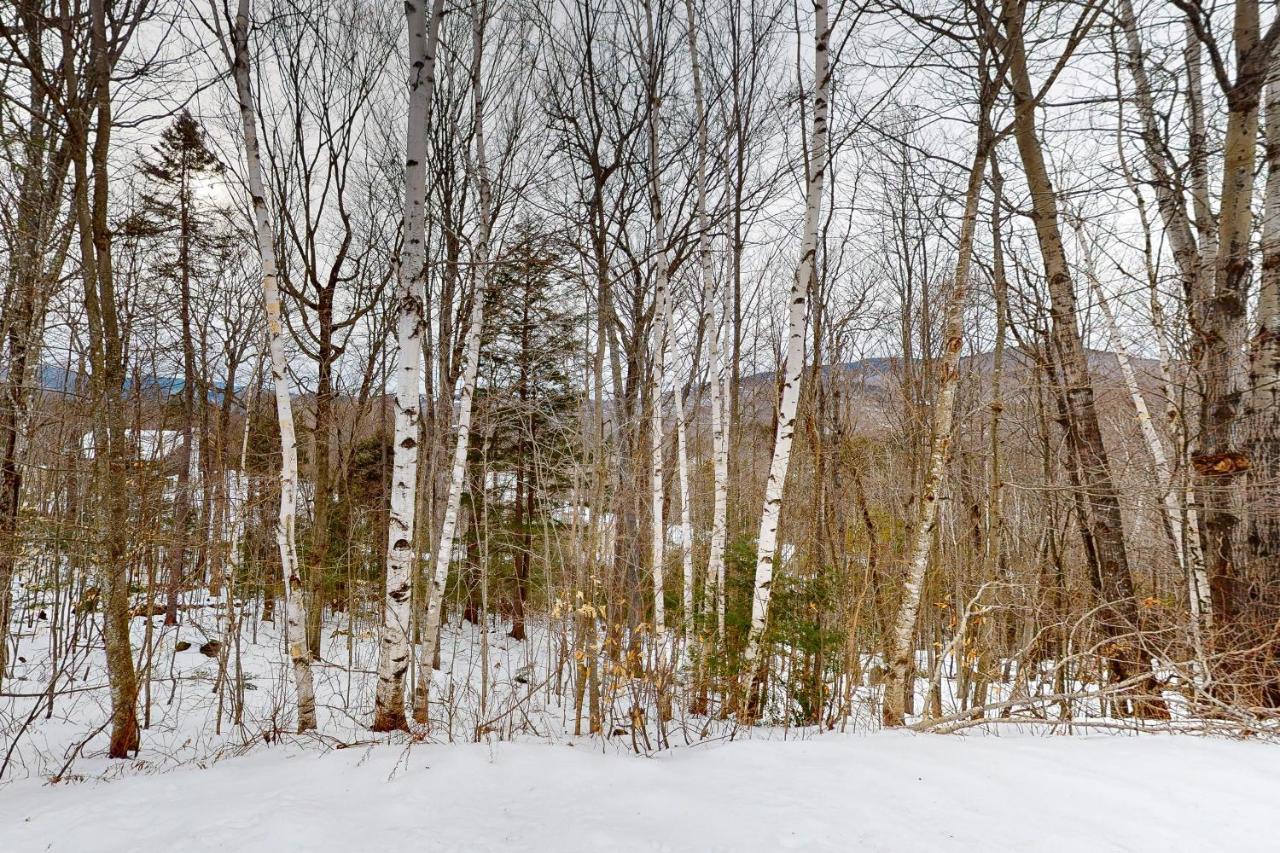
(835, 363)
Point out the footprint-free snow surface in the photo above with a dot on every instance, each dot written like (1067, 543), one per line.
(891, 791)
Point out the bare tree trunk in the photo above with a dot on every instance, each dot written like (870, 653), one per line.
(111, 451)
(286, 539)
(39, 252)
(661, 325)
(1186, 254)
(1264, 355)
(1119, 613)
(686, 520)
(1224, 322)
(900, 676)
(322, 479)
(393, 660)
(458, 470)
(793, 363)
(1263, 415)
(188, 457)
(1191, 556)
(1205, 221)
(710, 295)
(1155, 447)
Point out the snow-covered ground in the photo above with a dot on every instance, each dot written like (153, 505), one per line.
(890, 791)
(530, 783)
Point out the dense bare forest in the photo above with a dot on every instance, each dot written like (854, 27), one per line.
(644, 372)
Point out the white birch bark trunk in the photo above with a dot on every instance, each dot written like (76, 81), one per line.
(1199, 599)
(1222, 327)
(793, 362)
(1264, 367)
(1191, 555)
(1193, 566)
(1194, 259)
(661, 323)
(295, 615)
(470, 370)
(686, 518)
(720, 526)
(658, 541)
(902, 650)
(720, 460)
(394, 653)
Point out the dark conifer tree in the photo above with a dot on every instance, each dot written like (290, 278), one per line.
(530, 384)
(189, 239)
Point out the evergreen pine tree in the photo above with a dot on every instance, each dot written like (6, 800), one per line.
(188, 239)
(530, 347)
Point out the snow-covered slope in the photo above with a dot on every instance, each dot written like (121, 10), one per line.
(890, 792)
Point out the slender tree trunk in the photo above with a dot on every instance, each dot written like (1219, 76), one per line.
(793, 362)
(524, 524)
(393, 660)
(900, 676)
(1155, 447)
(1177, 226)
(286, 539)
(1206, 221)
(111, 451)
(1264, 355)
(449, 527)
(186, 458)
(1263, 415)
(36, 264)
(996, 552)
(1191, 556)
(1194, 258)
(1118, 616)
(686, 520)
(1219, 458)
(458, 470)
(710, 295)
(317, 551)
(661, 325)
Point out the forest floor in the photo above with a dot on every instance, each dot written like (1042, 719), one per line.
(888, 791)
(531, 784)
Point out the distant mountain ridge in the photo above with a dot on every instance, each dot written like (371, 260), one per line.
(878, 369)
(62, 380)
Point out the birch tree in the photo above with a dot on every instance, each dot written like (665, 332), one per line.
(240, 62)
(793, 362)
(932, 495)
(1221, 317)
(480, 276)
(710, 296)
(1194, 249)
(394, 653)
(1263, 408)
(661, 325)
(1187, 553)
